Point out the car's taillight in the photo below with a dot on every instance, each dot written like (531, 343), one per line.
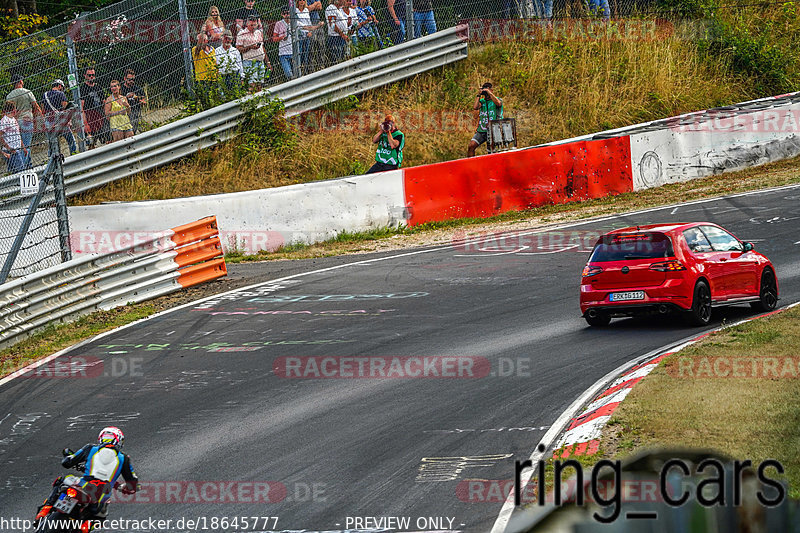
(591, 271)
(72, 493)
(668, 266)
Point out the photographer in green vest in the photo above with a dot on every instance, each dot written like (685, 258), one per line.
(491, 108)
(390, 141)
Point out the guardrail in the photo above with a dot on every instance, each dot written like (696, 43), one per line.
(186, 136)
(180, 257)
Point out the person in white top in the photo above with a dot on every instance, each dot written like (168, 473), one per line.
(338, 37)
(11, 140)
(229, 64)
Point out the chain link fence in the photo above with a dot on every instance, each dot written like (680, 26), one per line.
(148, 46)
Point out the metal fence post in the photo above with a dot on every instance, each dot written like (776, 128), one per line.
(26, 222)
(74, 85)
(295, 41)
(409, 20)
(187, 46)
(61, 208)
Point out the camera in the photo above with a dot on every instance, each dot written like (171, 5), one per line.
(387, 126)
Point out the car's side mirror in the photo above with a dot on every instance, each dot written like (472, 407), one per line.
(748, 246)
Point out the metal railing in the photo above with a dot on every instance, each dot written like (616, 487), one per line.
(179, 139)
(180, 257)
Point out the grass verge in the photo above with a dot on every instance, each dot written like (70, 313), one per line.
(57, 337)
(693, 399)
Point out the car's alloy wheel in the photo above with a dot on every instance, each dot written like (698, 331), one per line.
(768, 294)
(700, 313)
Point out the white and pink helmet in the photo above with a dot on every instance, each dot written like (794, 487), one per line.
(111, 435)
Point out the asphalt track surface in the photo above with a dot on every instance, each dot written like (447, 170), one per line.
(196, 392)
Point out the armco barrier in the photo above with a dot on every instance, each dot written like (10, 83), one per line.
(184, 137)
(610, 162)
(180, 257)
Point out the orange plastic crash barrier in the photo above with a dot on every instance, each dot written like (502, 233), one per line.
(195, 231)
(517, 180)
(199, 251)
(202, 272)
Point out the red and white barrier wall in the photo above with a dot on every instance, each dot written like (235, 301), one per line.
(612, 162)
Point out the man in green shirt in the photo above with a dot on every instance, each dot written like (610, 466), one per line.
(491, 108)
(390, 141)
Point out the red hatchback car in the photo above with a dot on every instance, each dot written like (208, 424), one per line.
(664, 268)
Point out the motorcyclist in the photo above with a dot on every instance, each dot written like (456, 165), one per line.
(104, 464)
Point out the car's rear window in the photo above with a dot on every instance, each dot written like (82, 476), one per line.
(629, 246)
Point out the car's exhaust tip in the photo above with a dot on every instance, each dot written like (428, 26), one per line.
(663, 309)
(592, 313)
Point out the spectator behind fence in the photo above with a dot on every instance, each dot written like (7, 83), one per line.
(57, 117)
(214, 27)
(11, 140)
(338, 38)
(368, 24)
(205, 70)
(244, 14)
(544, 9)
(136, 98)
(282, 34)
(423, 17)
(489, 107)
(600, 8)
(229, 65)
(250, 43)
(397, 10)
(27, 110)
(94, 118)
(390, 141)
(351, 19)
(117, 110)
(306, 27)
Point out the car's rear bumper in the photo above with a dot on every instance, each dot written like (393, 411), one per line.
(662, 299)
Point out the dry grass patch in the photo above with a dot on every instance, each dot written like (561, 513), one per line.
(692, 398)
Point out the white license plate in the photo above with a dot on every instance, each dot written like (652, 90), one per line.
(625, 296)
(65, 504)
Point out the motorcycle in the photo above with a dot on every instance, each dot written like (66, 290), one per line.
(70, 512)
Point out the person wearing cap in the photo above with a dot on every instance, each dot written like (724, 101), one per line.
(229, 64)
(27, 109)
(390, 141)
(282, 34)
(489, 107)
(11, 140)
(57, 119)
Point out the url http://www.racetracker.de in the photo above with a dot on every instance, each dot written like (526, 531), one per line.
(199, 523)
